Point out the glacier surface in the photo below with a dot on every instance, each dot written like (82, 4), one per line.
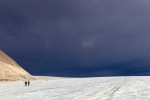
(94, 88)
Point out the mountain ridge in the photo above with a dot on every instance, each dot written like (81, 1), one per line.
(10, 70)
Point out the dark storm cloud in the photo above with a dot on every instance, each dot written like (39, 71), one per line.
(77, 37)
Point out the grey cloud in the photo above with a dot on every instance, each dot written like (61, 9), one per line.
(85, 34)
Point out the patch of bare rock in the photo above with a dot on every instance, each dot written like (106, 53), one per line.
(11, 71)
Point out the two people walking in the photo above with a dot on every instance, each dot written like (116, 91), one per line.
(27, 83)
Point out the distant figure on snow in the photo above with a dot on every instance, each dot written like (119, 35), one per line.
(25, 83)
(28, 83)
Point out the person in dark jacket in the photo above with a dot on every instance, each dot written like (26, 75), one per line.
(28, 83)
(25, 83)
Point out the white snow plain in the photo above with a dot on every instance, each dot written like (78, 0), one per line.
(94, 88)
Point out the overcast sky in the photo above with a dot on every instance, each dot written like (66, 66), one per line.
(77, 37)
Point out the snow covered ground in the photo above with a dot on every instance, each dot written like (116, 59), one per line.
(94, 88)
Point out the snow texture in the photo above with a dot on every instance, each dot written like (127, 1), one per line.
(94, 88)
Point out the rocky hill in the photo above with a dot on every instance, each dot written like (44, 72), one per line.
(10, 70)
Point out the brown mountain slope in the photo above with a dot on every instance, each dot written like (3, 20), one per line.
(10, 70)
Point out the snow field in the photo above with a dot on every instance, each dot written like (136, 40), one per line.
(94, 88)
